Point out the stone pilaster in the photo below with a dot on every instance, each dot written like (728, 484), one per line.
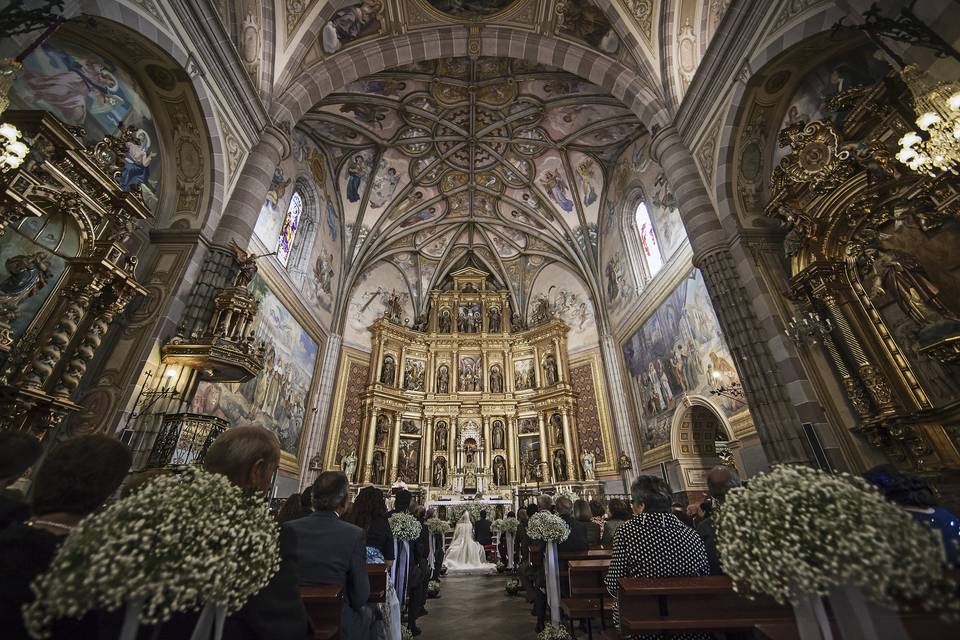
(318, 428)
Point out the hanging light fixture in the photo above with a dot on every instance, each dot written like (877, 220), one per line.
(12, 150)
(937, 146)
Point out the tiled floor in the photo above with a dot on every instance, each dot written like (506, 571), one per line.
(475, 607)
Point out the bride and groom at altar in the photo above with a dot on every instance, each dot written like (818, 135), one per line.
(466, 553)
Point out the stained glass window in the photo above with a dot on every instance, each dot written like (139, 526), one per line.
(288, 231)
(648, 240)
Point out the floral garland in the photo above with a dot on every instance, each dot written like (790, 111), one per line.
(436, 525)
(548, 527)
(175, 545)
(797, 531)
(405, 527)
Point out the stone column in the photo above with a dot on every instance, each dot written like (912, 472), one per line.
(626, 430)
(778, 393)
(544, 450)
(568, 449)
(241, 212)
(394, 451)
(317, 428)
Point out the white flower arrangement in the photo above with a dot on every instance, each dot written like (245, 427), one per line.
(797, 532)
(548, 527)
(436, 525)
(554, 632)
(457, 511)
(405, 527)
(509, 525)
(175, 545)
(497, 525)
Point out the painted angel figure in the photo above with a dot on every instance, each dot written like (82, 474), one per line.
(383, 186)
(136, 162)
(556, 188)
(355, 175)
(247, 263)
(278, 187)
(587, 177)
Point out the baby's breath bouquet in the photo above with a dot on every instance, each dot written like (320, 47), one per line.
(554, 632)
(548, 527)
(405, 527)
(509, 525)
(797, 532)
(436, 525)
(497, 525)
(179, 543)
(569, 495)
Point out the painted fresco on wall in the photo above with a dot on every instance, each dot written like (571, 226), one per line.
(277, 398)
(585, 21)
(678, 350)
(84, 88)
(380, 292)
(665, 216)
(470, 8)
(557, 293)
(352, 23)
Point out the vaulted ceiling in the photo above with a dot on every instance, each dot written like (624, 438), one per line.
(496, 157)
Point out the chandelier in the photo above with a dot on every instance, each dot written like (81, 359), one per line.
(12, 150)
(937, 146)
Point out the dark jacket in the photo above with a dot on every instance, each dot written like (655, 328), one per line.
(380, 536)
(334, 552)
(609, 531)
(481, 531)
(12, 509)
(577, 540)
(709, 537)
(592, 532)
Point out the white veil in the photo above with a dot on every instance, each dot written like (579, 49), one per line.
(465, 553)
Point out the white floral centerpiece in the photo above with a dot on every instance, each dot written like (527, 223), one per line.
(548, 527)
(497, 526)
(436, 525)
(178, 544)
(405, 527)
(509, 525)
(797, 532)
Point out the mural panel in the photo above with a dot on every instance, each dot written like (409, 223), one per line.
(379, 292)
(678, 350)
(557, 293)
(277, 398)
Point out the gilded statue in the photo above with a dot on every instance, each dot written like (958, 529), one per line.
(388, 373)
(497, 435)
(496, 380)
(493, 320)
(550, 370)
(443, 379)
(29, 274)
(559, 465)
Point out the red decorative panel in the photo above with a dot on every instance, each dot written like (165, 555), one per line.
(351, 422)
(588, 414)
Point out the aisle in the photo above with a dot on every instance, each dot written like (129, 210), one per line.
(475, 608)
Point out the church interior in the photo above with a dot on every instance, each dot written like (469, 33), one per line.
(490, 280)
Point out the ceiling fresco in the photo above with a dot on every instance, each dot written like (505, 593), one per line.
(499, 158)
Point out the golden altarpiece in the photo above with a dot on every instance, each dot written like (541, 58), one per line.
(469, 403)
(873, 273)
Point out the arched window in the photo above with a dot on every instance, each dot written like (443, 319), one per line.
(288, 230)
(648, 240)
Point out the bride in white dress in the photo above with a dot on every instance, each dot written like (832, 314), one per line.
(465, 554)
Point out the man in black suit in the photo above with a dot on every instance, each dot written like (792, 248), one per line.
(334, 552)
(720, 481)
(577, 540)
(481, 530)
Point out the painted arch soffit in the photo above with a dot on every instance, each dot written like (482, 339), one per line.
(490, 154)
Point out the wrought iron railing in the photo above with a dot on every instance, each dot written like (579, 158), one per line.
(184, 439)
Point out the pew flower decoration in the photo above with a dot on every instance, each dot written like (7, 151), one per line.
(554, 632)
(405, 633)
(497, 526)
(405, 527)
(512, 587)
(179, 543)
(433, 589)
(797, 532)
(509, 525)
(501, 567)
(436, 525)
(547, 527)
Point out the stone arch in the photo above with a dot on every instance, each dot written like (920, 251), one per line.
(313, 84)
(697, 425)
(681, 429)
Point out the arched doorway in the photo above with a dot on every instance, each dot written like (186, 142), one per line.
(700, 439)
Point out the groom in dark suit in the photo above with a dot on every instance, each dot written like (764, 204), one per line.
(481, 530)
(334, 552)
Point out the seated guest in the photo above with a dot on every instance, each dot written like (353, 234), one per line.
(577, 540)
(582, 513)
(522, 540)
(653, 543)
(916, 497)
(720, 480)
(18, 452)
(545, 503)
(291, 509)
(481, 530)
(334, 552)
(369, 512)
(73, 482)
(306, 501)
(597, 513)
(249, 458)
(619, 513)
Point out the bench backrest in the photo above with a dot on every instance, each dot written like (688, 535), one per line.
(377, 573)
(324, 605)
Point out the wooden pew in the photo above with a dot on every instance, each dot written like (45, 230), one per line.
(564, 557)
(377, 574)
(324, 605)
(587, 592)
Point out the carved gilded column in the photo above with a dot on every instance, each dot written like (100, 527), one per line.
(568, 449)
(537, 365)
(561, 374)
(394, 450)
(487, 452)
(370, 442)
(544, 450)
(426, 445)
(512, 448)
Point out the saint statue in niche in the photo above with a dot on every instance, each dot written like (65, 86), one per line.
(471, 374)
(443, 379)
(378, 467)
(443, 322)
(559, 465)
(470, 474)
(499, 472)
(497, 435)
(440, 472)
(440, 437)
(494, 320)
(388, 372)
(496, 380)
(380, 435)
(556, 424)
(550, 370)
(349, 465)
(588, 460)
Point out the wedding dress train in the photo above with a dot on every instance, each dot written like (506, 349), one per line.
(465, 555)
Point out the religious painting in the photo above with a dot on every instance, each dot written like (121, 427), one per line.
(410, 427)
(380, 292)
(471, 373)
(352, 23)
(467, 9)
(84, 88)
(583, 20)
(408, 461)
(678, 350)
(530, 462)
(528, 425)
(665, 218)
(440, 436)
(413, 374)
(276, 204)
(558, 293)
(470, 318)
(524, 376)
(277, 398)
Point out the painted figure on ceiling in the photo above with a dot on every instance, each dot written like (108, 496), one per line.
(136, 162)
(355, 175)
(586, 173)
(556, 188)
